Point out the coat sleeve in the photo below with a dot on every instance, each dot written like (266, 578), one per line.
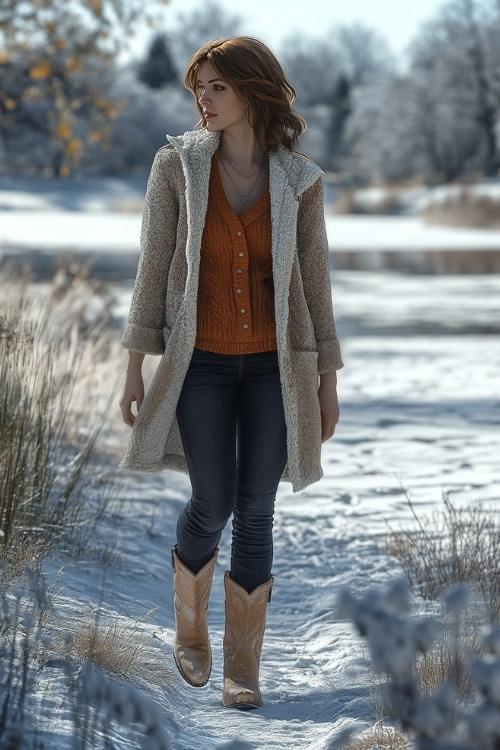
(146, 321)
(313, 252)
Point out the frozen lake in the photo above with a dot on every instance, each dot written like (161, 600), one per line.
(100, 219)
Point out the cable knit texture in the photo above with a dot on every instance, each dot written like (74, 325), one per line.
(236, 291)
(163, 312)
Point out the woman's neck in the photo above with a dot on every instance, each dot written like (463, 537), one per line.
(241, 148)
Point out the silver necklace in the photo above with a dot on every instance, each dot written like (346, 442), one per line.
(245, 177)
(243, 196)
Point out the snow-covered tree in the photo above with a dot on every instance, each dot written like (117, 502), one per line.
(456, 60)
(382, 139)
(362, 52)
(442, 118)
(312, 67)
(324, 71)
(141, 126)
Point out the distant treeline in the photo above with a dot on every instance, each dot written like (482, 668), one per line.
(68, 101)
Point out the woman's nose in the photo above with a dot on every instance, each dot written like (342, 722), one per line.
(203, 98)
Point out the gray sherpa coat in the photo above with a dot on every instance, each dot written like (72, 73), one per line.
(162, 317)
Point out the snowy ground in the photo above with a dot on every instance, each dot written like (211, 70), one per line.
(420, 401)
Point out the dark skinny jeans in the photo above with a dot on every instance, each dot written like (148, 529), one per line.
(231, 420)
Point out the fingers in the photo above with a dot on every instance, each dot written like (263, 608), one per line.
(328, 425)
(133, 392)
(327, 431)
(128, 415)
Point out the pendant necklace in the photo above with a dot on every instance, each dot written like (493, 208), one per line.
(243, 197)
(245, 177)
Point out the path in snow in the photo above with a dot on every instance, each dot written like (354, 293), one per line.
(420, 409)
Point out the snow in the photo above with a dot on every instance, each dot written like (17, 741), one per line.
(420, 408)
(95, 216)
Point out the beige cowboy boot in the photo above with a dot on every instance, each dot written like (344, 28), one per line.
(244, 633)
(192, 652)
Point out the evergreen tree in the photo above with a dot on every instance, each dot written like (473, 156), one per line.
(341, 109)
(158, 69)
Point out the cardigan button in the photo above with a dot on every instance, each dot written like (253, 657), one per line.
(238, 291)
(245, 325)
(243, 310)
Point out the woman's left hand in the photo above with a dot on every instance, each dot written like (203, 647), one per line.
(329, 404)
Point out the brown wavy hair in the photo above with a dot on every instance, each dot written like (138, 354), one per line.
(249, 66)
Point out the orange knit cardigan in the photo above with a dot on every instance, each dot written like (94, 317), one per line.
(236, 292)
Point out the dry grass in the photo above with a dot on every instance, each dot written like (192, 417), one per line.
(465, 209)
(117, 646)
(56, 343)
(351, 202)
(453, 546)
(379, 737)
(449, 663)
(60, 361)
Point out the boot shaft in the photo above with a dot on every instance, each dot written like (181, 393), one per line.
(243, 637)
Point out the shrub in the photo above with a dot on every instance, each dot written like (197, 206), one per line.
(454, 545)
(464, 209)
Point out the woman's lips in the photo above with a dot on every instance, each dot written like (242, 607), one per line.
(209, 115)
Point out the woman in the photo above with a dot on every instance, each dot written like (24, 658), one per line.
(233, 290)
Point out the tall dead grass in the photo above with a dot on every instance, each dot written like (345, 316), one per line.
(60, 361)
(56, 342)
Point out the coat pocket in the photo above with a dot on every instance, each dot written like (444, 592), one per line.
(304, 388)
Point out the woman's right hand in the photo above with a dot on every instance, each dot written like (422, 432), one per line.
(133, 390)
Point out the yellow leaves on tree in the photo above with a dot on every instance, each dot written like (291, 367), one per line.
(40, 70)
(73, 63)
(73, 148)
(55, 57)
(62, 130)
(95, 6)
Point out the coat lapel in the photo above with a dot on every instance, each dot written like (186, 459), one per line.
(195, 149)
(289, 176)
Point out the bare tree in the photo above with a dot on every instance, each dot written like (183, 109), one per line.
(191, 30)
(361, 51)
(459, 58)
(313, 68)
(442, 119)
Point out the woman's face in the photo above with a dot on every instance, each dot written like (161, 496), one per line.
(222, 107)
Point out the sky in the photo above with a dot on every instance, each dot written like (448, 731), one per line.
(275, 20)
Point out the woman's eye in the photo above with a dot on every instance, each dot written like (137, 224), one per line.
(219, 88)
